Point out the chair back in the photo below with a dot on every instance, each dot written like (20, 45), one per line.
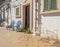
(18, 23)
(12, 23)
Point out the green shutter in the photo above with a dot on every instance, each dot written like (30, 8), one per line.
(54, 4)
(49, 4)
(45, 5)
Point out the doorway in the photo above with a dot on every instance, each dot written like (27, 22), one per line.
(27, 16)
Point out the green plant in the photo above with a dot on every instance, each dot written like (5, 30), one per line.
(26, 30)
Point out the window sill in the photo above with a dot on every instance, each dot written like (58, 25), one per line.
(50, 12)
(18, 17)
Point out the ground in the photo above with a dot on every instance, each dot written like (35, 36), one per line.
(10, 38)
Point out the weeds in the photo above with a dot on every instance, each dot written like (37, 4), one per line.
(25, 30)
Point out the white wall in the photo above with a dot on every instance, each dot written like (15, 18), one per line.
(50, 25)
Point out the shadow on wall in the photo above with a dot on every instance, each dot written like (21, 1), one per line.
(1, 21)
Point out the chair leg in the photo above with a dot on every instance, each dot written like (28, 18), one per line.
(17, 29)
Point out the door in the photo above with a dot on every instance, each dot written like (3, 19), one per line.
(27, 16)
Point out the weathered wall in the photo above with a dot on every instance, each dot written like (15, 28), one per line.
(50, 25)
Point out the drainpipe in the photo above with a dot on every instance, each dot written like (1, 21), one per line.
(35, 18)
(39, 16)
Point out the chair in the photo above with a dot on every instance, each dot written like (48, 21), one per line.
(18, 25)
(11, 25)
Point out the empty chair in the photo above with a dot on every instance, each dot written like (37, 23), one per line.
(11, 25)
(18, 25)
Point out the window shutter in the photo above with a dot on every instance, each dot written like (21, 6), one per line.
(45, 5)
(49, 4)
(54, 4)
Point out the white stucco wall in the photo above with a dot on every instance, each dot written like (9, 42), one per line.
(50, 25)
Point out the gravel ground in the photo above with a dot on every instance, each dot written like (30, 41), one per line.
(10, 38)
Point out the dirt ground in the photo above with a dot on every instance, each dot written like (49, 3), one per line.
(10, 38)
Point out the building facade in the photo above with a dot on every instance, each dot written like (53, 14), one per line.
(26, 11)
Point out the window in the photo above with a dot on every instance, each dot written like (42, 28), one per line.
(17, 11)
(50, 5)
